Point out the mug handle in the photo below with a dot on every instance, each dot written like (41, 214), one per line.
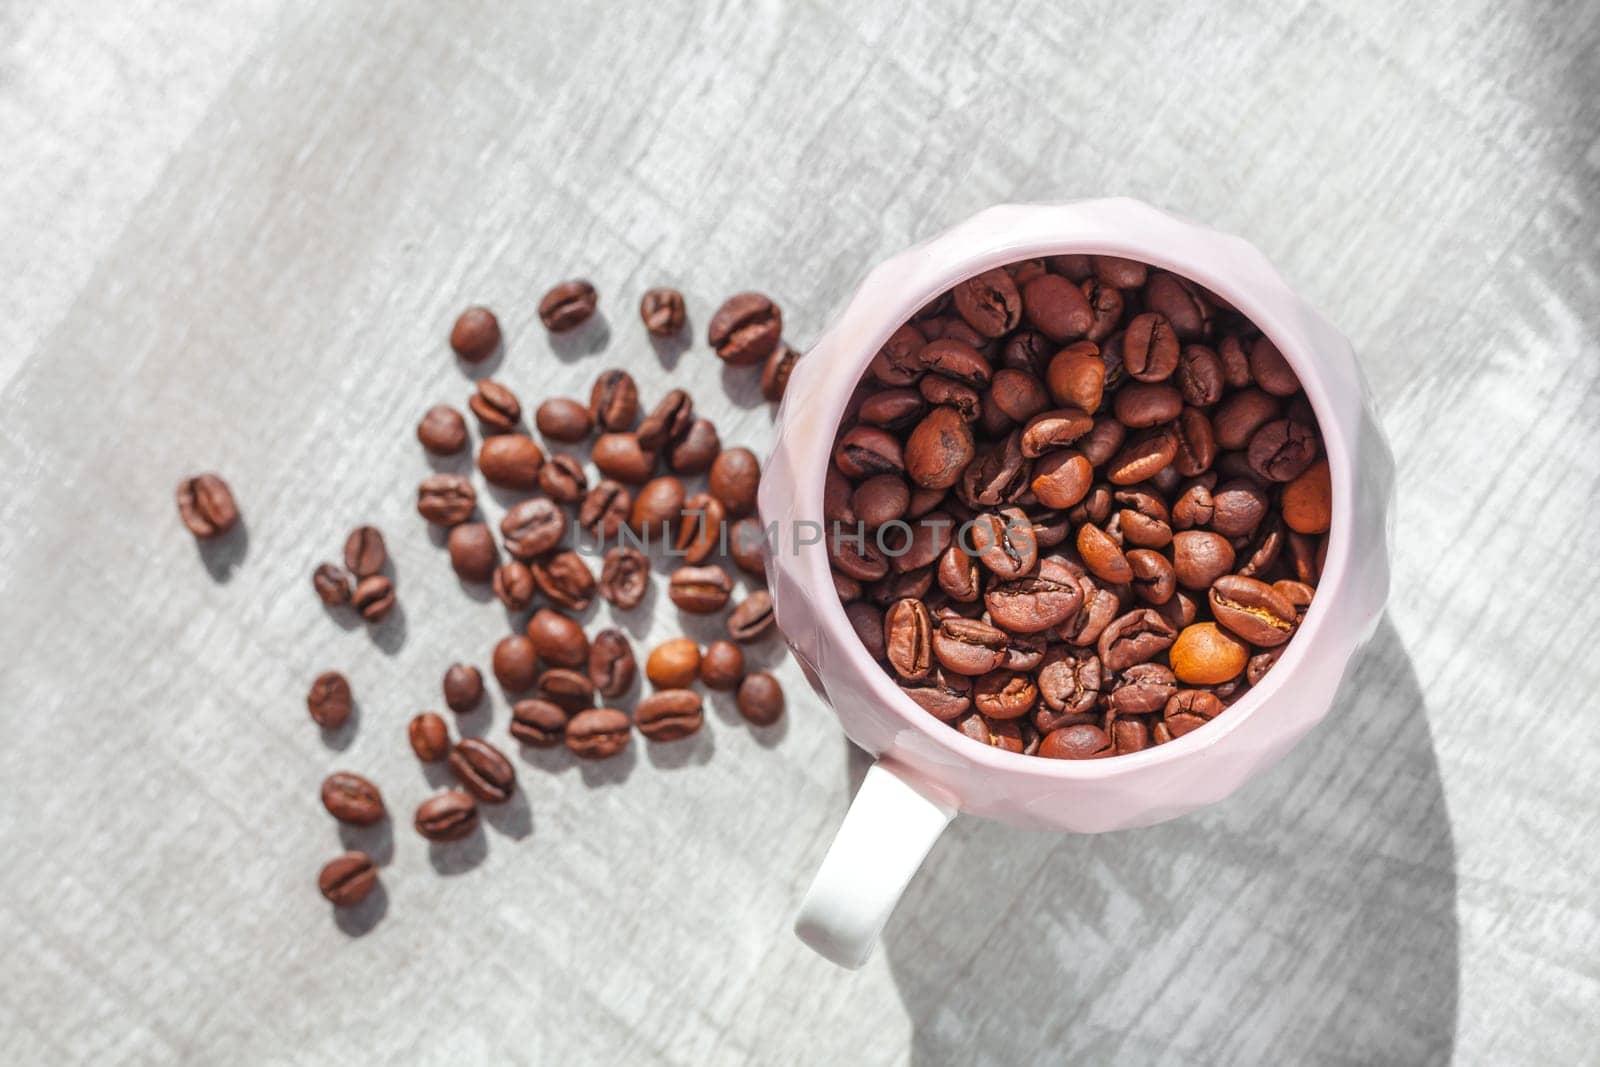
(884, 838)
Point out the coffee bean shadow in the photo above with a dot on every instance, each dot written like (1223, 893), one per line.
(505, 498)
(613, 771)
(513, 819)
(376, 840)
(636, 621)
(344, 616)
(358, 921)
(339, 738)
(742, 386)
(554, 760)
(669, 350)
(460, 463)
(1312, 914)
(696, 750)
(482, 592)
(587, 340)
(223, 555)
(475, 723)
(772, 736)
(458, 857)
(390, 634)
(437, 774)
(484, 368)
(726, 708)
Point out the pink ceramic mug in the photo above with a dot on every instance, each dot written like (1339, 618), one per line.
(925, 771)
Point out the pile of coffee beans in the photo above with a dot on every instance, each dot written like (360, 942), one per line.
(568, 688)
(1077, 507)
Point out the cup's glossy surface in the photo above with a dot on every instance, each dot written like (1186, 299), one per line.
(1161, 782)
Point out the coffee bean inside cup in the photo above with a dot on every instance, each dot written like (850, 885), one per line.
(1078, 506)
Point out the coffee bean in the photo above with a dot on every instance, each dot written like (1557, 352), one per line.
(473, 554)
(515, 664)
(347, 880)
(1005, 543)
(569, 688)
(1282, 450)
(373, 598)
(332, 584)
(1106, 304)
(483, 770)
(669, 715)
(1018, 394)
(1056, 307)
(943, 694)
(1075, 742)
(614, 401)
(513, 585)
(668, 422)
(996, 733)
(511, 461)
(746, 329)
(463, 688)
(969, 646)
(329, 700)
(722, 666)
(1206, 655)
(442, 430)
(775, 375)
(1038, 602)
(656, 510)
(446, 499)
(866, 451)
(1257, 666)
(565, 580)
(760, 699)
(496, 407)
(568, 305)
(662, 312)
(540, 723)
(1102, 555)
(989, 303)
(448, 816)
(1150, 348)
(1308, 501)
(1137, 637)
(1118, 272)
(1200, 557)
(1270, 370)
(364, 552)
(700, 590)
(476, 334)
(620, 456)
(696, 450)
(734, 479)
(701, 527)
(1190, 709)
(598, 733)
(1254, 610)
(673, 664)
(1180, 301)
(1070, 681)
(1005, 694)
(893, 409)
(562, 418)
(532, 528)
(751, 618)
(624, 577)
(953, 358)
(1240, 415)
(352, 799)
(1199, 376)
(1154, 580)
(611, 663)
(908, 639)
(205, 503)
(1143, 688)
(429, 737)
(939, 449)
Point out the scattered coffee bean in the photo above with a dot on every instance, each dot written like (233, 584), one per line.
(442, 430)
(702, 524)
(620, 456)
(513, 585)
(611, 663)
(364, 552)
(745, 541)
(624, 577)
(532, 528)
(696, 450)
(374, 598)
(735, 476)
(751, 618)
(446, 499)
(515, 664)
(429, 737)
(332, 584)
(571, 689)
(476, 335)
(448, 816)
(614, 402)
(669, 715)
(568, 305)
(656, 510)
(775, 375)
(352, 799)
(540, 723)
(722, 666)
(673, 664)
(347, 880)
(563, 419)
(662, 312)
(472, 552)
(562, 480)
(558, 640)
(511, 461)
(598, 733)
(700, 590)
(746, 329)
(496, 407)
(565, 580)
(463, 688)
(205, 503)
(760, 699)
(669, 422)
(483, 770)
(329, 700)
(605, 509)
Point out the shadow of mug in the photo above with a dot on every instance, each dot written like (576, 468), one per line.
(1311, 916)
